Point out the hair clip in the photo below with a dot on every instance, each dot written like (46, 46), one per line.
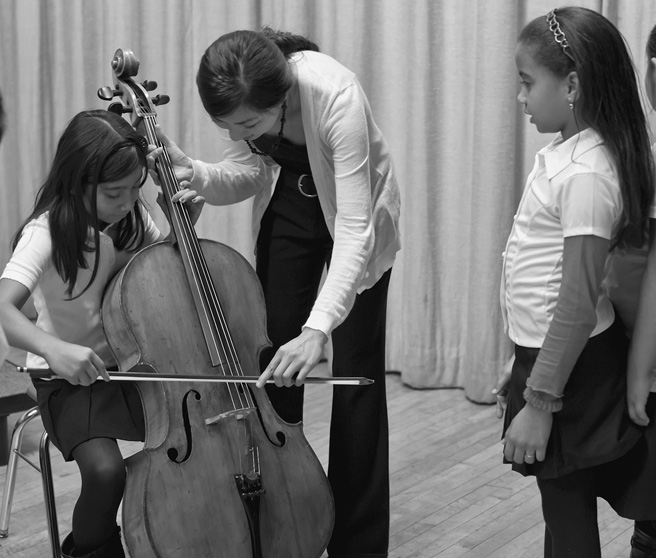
(558, 33)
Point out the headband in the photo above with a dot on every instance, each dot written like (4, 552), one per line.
(559, 34)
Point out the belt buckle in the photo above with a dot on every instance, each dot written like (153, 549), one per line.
(300, 186)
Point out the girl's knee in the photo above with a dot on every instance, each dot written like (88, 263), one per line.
(101, 465)
(105, 476)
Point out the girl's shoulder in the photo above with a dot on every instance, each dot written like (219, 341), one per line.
(39, 220)
(32, 256)
(37, 228)
(585, 153)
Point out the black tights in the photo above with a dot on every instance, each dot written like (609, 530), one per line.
(103, 473)
(569, 506)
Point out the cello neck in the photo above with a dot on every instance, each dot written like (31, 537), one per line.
(206, 301)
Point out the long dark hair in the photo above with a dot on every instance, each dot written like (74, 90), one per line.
(608, 101)
(248, 68)
(96, 146)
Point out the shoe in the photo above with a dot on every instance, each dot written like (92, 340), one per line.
(113, 548)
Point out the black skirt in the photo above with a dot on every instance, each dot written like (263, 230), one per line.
(74, 414)
(629, 483)
(593, 426)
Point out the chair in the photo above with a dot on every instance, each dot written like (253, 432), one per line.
(45, 469)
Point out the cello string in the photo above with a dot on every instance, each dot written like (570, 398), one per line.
(215, 314)
(202, 279)
(184, 232)
(187, 239)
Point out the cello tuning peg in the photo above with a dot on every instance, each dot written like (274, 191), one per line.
(118, 108)
(160, 99)
(149, 85)
(107, 93)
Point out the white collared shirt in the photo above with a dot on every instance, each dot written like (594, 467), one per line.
(78, 320)
(573, 190)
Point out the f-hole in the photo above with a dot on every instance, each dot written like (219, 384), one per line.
(173, 453)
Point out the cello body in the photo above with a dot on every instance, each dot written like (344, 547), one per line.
(181, 498)
(220, 474)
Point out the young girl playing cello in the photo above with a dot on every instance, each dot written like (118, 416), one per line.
(86, 224)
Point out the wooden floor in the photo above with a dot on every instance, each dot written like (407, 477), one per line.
(452, 496)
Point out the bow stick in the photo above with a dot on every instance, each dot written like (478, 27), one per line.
(44, 373)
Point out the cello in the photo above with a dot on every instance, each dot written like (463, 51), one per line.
(220, 474)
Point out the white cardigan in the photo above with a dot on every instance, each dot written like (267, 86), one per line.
(352, 171)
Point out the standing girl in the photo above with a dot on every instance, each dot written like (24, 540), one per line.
(589, 192)
(308, 149)
(86, 224)
(642, 355)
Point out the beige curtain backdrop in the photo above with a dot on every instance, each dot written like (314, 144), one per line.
(440, 77)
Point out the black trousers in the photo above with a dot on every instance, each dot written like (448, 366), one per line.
(290, 262)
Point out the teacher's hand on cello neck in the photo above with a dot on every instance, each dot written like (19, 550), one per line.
(295, 360)
(190, 198)
(180, 163)
(181, 166)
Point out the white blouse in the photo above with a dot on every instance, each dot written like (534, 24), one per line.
(573, 190)
(78, 320)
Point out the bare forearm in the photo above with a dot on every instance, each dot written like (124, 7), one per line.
(642, 356)
(23, 334)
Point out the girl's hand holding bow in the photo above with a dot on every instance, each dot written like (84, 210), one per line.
(76, 364)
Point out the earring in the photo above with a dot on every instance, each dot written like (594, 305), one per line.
(571, 103)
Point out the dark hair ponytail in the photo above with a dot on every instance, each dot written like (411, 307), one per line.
(248, 68)
(288, 43)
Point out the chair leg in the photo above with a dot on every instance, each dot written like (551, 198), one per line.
(46, 479)
(10, 479)
(49, 495)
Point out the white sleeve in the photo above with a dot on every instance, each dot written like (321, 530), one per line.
(239, 176)
(590, 204)
(347, 134)
(32, 256)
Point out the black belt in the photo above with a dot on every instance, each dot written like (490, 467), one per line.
(306, 186)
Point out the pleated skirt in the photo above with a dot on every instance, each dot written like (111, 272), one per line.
(74, 414)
